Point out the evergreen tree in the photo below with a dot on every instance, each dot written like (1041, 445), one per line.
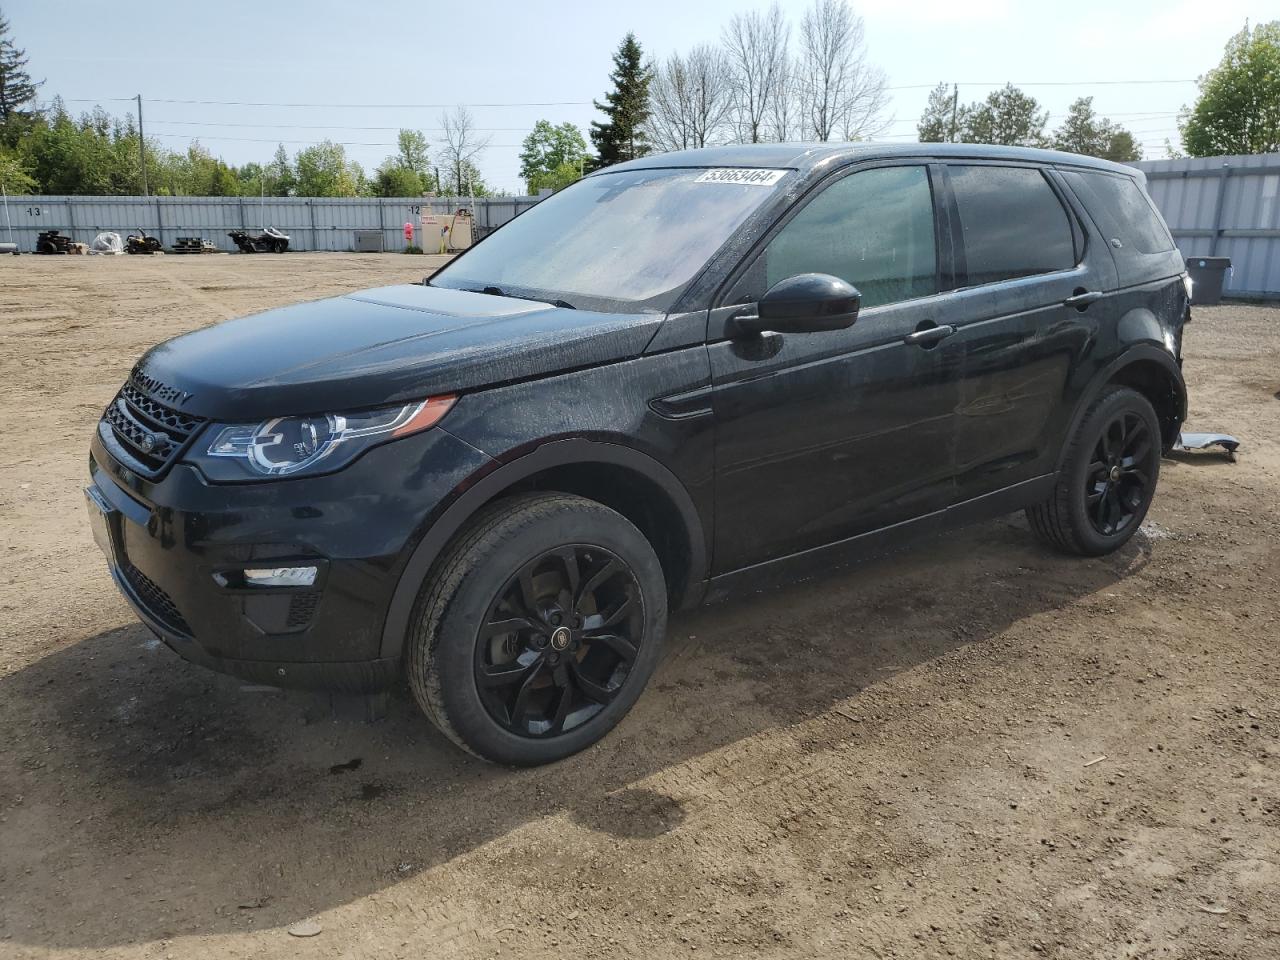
(16, 87)
(622, 137)
(1009, 117)
(1083, 131)
(943, 118)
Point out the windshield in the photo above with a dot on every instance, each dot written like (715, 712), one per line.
(615, 241)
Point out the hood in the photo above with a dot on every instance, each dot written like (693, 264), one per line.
(380, 346)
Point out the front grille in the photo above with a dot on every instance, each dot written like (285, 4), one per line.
(152, 433)
(157, 602)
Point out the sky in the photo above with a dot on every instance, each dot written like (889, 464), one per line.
(300, 72)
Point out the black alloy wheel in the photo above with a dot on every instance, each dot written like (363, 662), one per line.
(1107, 479)
(559, 641)
(1120, 474)
(537, 629)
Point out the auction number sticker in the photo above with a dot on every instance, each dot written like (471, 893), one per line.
(754, 178)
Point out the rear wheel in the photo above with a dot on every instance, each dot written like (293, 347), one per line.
(1108, 477)
(539, 629)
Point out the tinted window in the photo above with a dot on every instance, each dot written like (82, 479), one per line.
(1014, 224)
(1121, 210)
(874, 229)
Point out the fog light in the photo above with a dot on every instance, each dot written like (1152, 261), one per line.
(281, 577)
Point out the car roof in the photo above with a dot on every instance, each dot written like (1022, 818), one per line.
(806, 156)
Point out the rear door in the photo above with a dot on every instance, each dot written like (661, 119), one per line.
(1032, 292)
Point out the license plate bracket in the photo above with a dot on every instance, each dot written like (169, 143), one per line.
(101, 521)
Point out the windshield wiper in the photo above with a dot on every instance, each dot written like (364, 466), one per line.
(499, 292)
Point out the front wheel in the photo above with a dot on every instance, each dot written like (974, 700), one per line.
(1108, 477)
(538, 630)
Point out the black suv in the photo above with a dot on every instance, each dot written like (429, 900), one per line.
(682, 376)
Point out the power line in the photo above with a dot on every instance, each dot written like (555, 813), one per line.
(583, 103)
(345, 143)
(316, 126)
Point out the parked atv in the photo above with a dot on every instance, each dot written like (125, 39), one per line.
(270, 240)
(141, 242)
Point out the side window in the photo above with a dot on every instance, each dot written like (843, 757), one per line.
(1013, 224)
(873, 229)
(1123, 212)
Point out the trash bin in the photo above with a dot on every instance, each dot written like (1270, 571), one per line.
(368, 241)
(1207, 276)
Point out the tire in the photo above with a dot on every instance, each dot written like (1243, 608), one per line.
(1108, 477)
(564, 673)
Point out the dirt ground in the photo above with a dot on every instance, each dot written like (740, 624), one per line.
(976, 748)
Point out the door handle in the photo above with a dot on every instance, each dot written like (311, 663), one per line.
(1082, 298)
(929, 335)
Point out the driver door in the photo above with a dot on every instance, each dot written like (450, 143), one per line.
(821, 437)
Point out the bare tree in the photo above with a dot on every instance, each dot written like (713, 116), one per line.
(840, 91)
(462, 147)
(782, 108)
(755, 46)
(690, 99)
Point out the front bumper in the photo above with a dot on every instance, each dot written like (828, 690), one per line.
(172, 541)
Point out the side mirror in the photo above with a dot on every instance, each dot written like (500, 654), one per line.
(807, 303)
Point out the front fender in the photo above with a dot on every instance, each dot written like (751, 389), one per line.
(479, 491)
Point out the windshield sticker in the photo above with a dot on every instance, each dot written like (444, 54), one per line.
(755, 178)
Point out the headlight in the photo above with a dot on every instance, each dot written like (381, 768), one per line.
(286, 446)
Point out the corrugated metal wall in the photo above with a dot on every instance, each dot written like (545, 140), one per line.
(319, 223)
(1224, 207)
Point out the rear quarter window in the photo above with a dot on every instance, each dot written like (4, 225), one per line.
(1125, 215)
(1012, 222)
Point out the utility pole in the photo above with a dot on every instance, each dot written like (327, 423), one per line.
(955, 109)
(142, 146)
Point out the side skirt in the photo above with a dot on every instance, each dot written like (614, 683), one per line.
(821, 560)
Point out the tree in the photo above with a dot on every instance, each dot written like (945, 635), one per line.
(1083, 131)
(16, 88)
(840, 92)
(281, 177)
(413, 151)
(324, 171)
(622, 136)
(781, 110)
(943, 117)
(755, 46)
(1009, 117)
(14, 174)
(691, 98)
(393, 179)
(552, 156)
(462, 148)
(1238, 110)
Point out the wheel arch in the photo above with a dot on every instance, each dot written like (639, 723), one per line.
(622, 478)
(1152, 372)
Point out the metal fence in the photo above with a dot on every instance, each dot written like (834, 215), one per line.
(1224, 207)
(316, 223)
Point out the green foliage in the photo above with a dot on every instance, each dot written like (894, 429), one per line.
(1083, 131)
(324, 171)
(16, 87)
(411, 248)
(1007, 116)
(14, 175)
(622, 136)
(942, 117)
(393, 180)
(413, 152)
(1238, 110)
(405, 174)
(552, 156)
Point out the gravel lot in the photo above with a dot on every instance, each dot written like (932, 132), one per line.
(897, 761)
